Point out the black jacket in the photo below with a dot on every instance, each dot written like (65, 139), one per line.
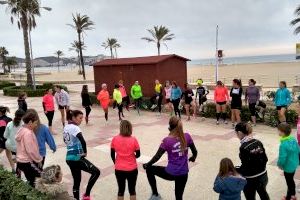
(253, 158)
(86, 100)
(22, 104)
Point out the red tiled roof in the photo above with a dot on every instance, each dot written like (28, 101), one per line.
(137, 60)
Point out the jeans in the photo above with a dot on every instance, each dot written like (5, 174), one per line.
(83, 165)
(180, 181)
(257, 184)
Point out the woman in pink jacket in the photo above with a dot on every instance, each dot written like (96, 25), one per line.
(29, 159)
(221, 98)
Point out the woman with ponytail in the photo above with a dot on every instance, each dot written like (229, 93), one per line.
(236, 93)
(176, 145)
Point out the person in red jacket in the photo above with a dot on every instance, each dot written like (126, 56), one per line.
(221, 98)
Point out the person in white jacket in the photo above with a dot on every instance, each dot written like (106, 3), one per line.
(10, 133)
(63, 102)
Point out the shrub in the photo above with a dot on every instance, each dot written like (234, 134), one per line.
(93, 98)
(4, 84)
(14, 91)
(12, 188)
(270, 95)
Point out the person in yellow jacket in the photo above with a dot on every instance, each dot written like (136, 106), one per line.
(157, 97)
(117, 96)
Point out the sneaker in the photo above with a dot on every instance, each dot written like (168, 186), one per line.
(154, 197)
(86, 197)
(153, 106)
(217, 122)
(260, 115)
(225, 122)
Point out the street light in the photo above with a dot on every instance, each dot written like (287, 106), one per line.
(29, 34)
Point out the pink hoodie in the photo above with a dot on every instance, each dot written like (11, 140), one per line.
(27, 146)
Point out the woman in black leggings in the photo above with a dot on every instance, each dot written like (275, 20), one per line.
(76, 153)
(86, 102)
(48, 105)
(176, 144)
(176, 97)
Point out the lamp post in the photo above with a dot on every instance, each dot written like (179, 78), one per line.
(29, 34)
(217, 57)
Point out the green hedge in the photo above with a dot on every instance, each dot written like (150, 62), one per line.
(12, 188)
(14, 91)
(4, 84)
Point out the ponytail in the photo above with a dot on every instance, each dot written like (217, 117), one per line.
(73, 113)
(176, 129)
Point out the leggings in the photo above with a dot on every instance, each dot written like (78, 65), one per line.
(126, 101)
(138, 103)
(257, 184)
(176, 103)
(131, 177)
(83, 165)
(180, 181)
(289, 178)
(120, 109)
(31, 171)
(87, 111)
(159, 101)
(50, 115)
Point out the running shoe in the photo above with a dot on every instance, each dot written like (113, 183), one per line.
(153, 106)
(217, 122)
(180, 107)
(145, 106)
(260, 115)
(155, 197)
(225, 122)
(86, 197)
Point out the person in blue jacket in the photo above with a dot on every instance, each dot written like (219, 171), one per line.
(282, 100)
(43, 136)
(176, 97)
(228, 182)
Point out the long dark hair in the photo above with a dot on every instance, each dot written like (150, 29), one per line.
(227, 168)
(176, 129)
(220, 83)
(84, 90)
(33, 111)
(4, 110)
(238, 82)
(174, 83)
(18, 117)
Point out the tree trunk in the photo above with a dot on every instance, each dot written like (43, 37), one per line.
(24, 24)
(81, 57)
(3, 64)
(158, 48)
(58, 62)
(111, 53)
(116, 53)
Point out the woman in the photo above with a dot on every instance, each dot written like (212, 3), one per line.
(168, 89)
(43, 136)
(157, 97)
(117, 96)
(125, 97)
(10, 133)
(252, 97)
(4, 120)
(202, 92)
(136, 94)
(63, 102)
(128, 150)
(103, 98)
(51, 183)
(176, 144)
(229, 183)
(236, 93)
(189, 102)
(22, 101)
(48, 105)
(253, 163)
(282, 100)
(76, 153)
(175, 98)
(86, 102)
(29, 159)
(221, 97)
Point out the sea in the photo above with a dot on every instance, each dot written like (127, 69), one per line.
(247, 60)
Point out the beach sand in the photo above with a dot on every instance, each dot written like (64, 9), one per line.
(266, 74)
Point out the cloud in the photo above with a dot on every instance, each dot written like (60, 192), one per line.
(248, 27)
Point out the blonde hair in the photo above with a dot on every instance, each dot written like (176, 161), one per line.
(125, 128)
(176, 129)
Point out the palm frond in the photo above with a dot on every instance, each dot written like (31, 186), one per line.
(297, 30)
(295, 21)
(297, 11)
(148, 39)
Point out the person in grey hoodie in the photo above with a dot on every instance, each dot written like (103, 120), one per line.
(63, 102)
(229, 183)
(252, 97)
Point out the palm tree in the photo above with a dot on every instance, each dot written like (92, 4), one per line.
(24, 11)
(111, 43)
(82, 23)
(12, 61)
(3, 54)
(115, 47)
(160, 34)
(58, 53)
(75, 46)
(296, 20)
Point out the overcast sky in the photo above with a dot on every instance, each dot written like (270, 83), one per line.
(247, 27)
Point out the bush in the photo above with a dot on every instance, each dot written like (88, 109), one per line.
(270, 95)
(14, 91)
(93, 98)
(4, 84)
(12, 188)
